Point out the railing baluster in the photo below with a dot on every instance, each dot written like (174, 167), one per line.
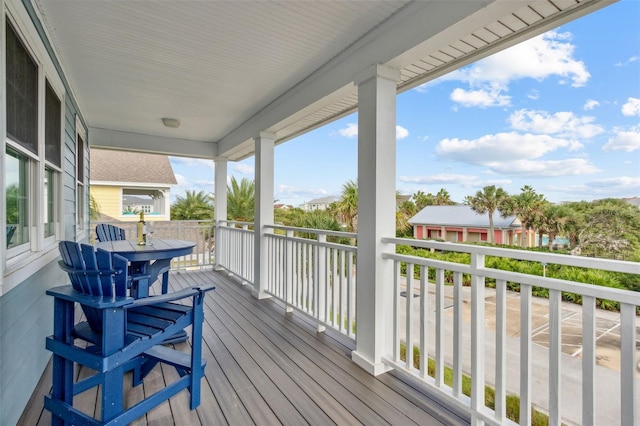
(396, 316)
(439, 327)
(501, 352)
(457, 334)
(628, 387)
(409, 316)
(424, 322)
(525, 354)
(588, 360)
(477, 335)
(351, 300)
(555, 357)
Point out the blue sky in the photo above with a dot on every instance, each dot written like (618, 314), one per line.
(560, 112)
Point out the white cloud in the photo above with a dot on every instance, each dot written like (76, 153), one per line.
(623, 141)
(590, 104)
(622, 185)
(631, 107)
(351, 131)
(480, 98)
(292, 192)
(182, 181)
(501, 147)
(443, 178)
(563, 124)
(547, 55)
(628, 61)
(534, 94)
(245, 169)
(542, 168)
(192, 161)
(401, 133)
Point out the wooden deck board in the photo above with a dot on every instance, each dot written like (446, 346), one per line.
(265, 367)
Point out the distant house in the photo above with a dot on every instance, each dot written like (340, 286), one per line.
(319, 203)
(462, 224)
(283, 206)
(125, 183)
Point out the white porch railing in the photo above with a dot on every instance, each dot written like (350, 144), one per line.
(313, 275)
(425, 319)
(201, 233)
(235, 248)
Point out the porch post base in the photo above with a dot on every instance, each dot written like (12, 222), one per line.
(372, 368)
(260, 294)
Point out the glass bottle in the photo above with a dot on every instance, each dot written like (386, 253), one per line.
(142, 230)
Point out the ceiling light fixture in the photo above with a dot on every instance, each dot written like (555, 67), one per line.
(171, 122)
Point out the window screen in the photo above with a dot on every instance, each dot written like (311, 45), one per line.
(22, 93)
(53, 125)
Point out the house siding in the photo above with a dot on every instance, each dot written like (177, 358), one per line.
(26, 312)
(109, 198)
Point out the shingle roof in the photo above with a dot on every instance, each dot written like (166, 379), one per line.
(125, 166)
(324, 200)
(460, 216)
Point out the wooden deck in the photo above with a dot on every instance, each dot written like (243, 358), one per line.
(267, 367)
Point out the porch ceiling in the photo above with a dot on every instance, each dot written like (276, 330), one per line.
(228, 70)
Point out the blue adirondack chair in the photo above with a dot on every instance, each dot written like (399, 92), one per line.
(108, 232)
(121, 333)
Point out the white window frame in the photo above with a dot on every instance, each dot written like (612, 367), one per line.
(18, 263)
(81, 186)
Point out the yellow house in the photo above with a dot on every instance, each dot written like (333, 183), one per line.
(126, 183)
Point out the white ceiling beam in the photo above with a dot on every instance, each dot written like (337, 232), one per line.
(128, 141)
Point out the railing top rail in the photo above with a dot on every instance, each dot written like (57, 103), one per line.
(317, 243)
(314, 231)
(585, 289)
(549, 258)
(235, 222)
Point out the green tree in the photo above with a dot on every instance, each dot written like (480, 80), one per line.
(488, 200)
(423, 200)
(94, 208)
(610, 227)
(526, 206)
(241, 200)
(346, 208)
(193, 206)
(443, 198)
(554, 221)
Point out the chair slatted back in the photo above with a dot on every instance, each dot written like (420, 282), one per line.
(94, 273)
(108, 232)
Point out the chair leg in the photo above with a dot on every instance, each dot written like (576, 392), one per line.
(196, 351)
(112, 400)
(62, 368)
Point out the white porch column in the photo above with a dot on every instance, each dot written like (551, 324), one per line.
(220, 211)
(376, 215)
(264, 145)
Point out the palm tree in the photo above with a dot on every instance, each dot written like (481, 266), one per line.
(346, 208)
(241, 200)
(423, 200)
(526, 206)
(443, 198)
(488, 200)
(555, 218)
(193, 206)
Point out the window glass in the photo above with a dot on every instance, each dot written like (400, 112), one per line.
(49, 202)
(17, 198)
(52, 126)
(22, 93)
(149, 201)
(80, 159)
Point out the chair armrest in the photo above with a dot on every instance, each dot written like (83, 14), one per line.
(66, 292)
(169, 297)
